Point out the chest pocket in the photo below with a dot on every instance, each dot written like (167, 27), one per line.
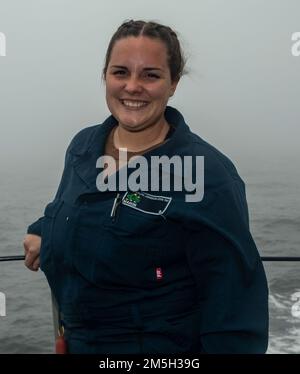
(140, 214)
(133, 223)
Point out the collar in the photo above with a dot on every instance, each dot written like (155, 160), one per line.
(87, 149)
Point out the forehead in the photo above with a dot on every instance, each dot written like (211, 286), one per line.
(135, 51)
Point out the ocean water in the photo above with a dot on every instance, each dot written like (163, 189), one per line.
(274, 206)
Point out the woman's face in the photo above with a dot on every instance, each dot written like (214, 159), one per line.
(138, 82)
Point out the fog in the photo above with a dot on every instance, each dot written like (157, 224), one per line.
(241, 92)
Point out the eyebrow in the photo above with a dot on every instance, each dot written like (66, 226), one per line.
(124, 67)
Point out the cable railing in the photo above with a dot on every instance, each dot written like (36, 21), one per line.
(263, 258)
(12, 258)
(56, 315)
(280, 258)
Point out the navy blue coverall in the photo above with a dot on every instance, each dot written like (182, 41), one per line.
(160, 275)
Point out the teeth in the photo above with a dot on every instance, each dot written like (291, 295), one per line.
(134, 104)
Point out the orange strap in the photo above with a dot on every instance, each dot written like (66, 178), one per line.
(61, 345)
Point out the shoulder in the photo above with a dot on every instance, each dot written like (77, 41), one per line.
(223, 186)
(217, 165)
(82, 139)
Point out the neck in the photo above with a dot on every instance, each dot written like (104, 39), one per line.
(140, 140)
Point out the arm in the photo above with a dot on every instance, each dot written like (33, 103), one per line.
(32, 241)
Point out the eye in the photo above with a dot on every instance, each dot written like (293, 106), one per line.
(119, 72)
(152, 75)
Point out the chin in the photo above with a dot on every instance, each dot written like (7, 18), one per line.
(132, 123)
(133, 127)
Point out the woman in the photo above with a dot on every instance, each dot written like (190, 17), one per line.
(150, 271)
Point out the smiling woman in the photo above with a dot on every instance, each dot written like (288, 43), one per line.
(139, 84)
(135, 95)
(148, 271)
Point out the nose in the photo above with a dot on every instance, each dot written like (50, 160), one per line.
(133, 85)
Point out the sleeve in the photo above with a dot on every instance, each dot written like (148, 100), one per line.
(81, 139)
(36, 227)
(231, 284)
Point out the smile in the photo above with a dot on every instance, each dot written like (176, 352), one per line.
(134, 104)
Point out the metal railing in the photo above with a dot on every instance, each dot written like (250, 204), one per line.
(264, 258)
(57, 322)
(280, 258)
(11, 258)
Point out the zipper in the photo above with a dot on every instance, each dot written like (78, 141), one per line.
(116, 203)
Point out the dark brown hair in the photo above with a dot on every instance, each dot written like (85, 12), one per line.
(176, 60)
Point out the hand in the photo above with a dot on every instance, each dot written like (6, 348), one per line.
(32, 246)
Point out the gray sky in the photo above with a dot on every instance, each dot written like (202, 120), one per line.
(241, 94)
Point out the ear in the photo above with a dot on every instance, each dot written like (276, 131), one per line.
(173, 87)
